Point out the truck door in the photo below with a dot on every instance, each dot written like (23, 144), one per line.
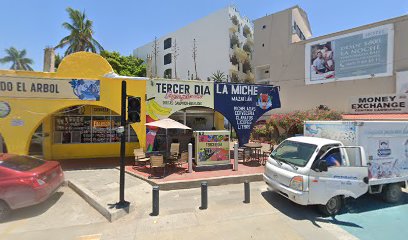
(348, 177)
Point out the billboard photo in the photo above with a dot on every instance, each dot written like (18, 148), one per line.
(357, 55)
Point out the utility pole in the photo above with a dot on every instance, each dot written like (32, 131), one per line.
(155, 53)
(195, 58)
(175, 54)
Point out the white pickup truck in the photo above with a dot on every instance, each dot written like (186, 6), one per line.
(299, 168)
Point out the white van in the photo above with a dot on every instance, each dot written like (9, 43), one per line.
(297, 170)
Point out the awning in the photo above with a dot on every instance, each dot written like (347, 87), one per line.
(395, 117)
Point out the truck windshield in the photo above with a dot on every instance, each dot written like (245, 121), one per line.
(296, 153)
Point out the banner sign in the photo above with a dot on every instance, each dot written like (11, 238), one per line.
(378, 104)
(212, 147)
(362, 54)
(243, 104)
(165, 97)
(50, 88)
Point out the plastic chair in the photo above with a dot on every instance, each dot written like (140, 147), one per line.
(140, 157)
(157, 161)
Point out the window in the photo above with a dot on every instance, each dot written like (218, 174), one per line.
(267, 71)
(22, 163)
(296, 153)
(91, 125)
(264, 26)
(167, 58)
(167, 73)
(167, 43)
(297, 31)
(263, 44)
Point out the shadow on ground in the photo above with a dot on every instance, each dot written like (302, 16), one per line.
(299, 212)
(36, 210)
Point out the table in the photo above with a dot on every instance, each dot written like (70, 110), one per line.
(254, 151)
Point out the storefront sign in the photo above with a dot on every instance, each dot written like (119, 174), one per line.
(362, 54)
(379, 104)
(212, 147)
(102, 123)
(4, 109)
(243, 104)
(50, 88)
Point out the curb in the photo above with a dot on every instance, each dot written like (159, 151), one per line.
(111, 214)
(196, 183)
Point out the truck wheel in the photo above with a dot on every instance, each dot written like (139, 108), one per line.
(4, 211)
(332, 207)
(392, 193)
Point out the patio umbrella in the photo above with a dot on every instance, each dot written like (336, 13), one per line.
(167, 123)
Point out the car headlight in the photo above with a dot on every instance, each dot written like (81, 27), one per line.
(296, 183)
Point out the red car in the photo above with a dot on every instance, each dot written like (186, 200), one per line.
(26, 181)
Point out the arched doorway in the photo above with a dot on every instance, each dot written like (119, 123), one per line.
(3, 147)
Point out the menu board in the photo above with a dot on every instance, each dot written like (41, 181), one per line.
(212, 147)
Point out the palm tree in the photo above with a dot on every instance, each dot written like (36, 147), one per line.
(20, 62)
(218, 76)
(80, 38)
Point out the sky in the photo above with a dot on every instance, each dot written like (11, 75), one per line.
(123, 25)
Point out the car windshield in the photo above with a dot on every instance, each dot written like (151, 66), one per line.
(21, 163)
(296, 153)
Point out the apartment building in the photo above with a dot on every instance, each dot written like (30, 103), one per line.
(222, 44)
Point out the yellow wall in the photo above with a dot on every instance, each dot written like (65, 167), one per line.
(33, 112)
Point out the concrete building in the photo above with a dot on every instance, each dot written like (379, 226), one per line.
(357, 65)
(223, 42)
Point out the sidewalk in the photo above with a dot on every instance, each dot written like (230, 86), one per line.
(100, 188)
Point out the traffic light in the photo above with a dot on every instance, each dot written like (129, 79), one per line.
(133, 109)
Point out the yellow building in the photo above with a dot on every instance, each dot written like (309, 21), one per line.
(49, 108)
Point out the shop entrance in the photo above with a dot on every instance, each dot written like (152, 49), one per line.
(3, 148)
(36, 143)
(197, 118)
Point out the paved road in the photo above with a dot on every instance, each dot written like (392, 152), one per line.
(268, 216)
(369, 218)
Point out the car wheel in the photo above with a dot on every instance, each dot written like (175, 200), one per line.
(4, 211)
(392, 193)
(332, 207)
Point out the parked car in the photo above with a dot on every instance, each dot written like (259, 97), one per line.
(26, 181)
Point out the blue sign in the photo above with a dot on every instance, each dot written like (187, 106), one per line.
(86, 89)
(243, 104)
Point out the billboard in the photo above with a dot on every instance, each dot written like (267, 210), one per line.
(50, 88)
(357, 55)
(390, 103)
(212, 147)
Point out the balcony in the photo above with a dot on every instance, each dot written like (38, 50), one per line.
(241, 54)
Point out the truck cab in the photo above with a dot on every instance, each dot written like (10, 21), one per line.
(311, 170)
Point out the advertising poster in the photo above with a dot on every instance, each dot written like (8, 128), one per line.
(341, 131)
(389, 157)
(53, 89)
(362, 54)
(212, 148)
(165, 97)
(378, 104)
(243, 104)
(402, 83)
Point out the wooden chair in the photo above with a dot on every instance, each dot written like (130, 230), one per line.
(157, 161)
(174, 151)
(182, 159)
(266, 153)
(140, 157)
